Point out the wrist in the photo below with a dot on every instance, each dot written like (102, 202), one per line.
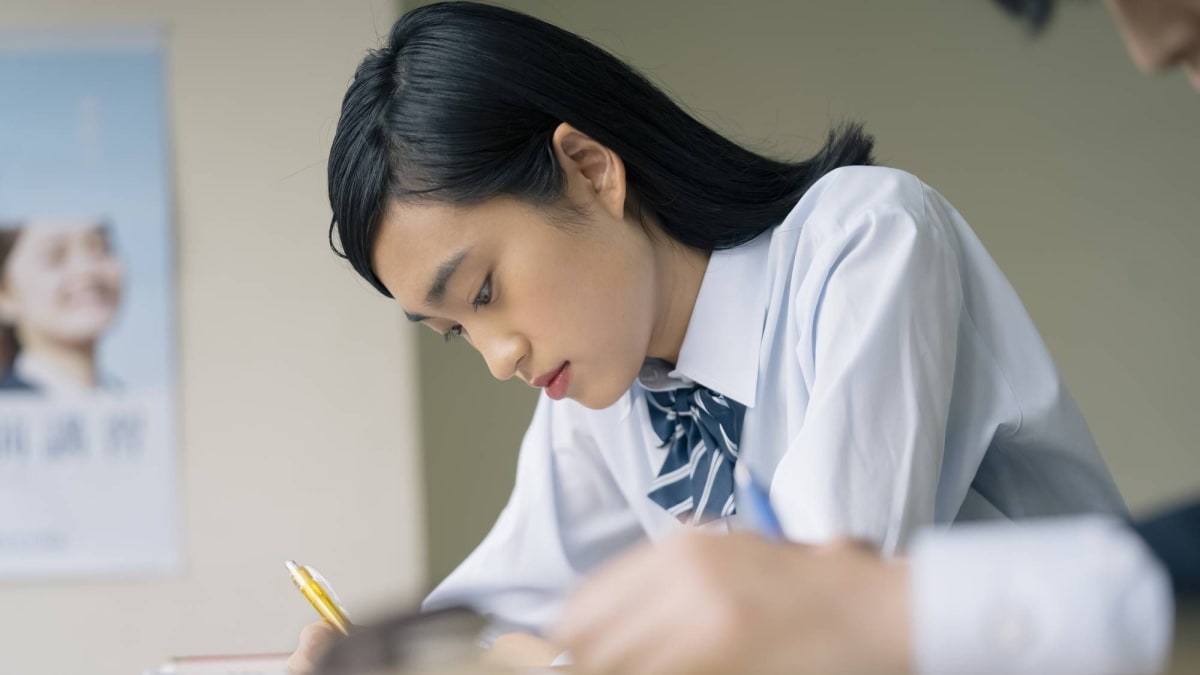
(897, 631)
(876, 606)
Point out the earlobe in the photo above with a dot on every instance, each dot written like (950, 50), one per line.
(594, 165)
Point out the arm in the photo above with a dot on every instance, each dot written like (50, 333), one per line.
(741, 604)
(1077, 596)
(564, 516)
(879, 311)
(1074, 595)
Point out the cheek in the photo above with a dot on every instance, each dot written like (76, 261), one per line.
(112, 275)
(611, 318)
(35, 290)
(571, 307)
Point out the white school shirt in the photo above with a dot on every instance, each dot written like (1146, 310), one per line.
(891, 377)
(1056, 596)
(49, 379)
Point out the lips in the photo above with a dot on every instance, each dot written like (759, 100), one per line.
(556, 383)
(544, 380)
(90, 297)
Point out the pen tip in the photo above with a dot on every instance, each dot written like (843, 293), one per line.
(291, 565)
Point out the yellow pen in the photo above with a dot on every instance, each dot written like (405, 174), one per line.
(323, 599)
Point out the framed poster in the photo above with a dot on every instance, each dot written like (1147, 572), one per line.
(87, 318)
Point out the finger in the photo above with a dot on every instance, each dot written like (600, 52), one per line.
(518, 650)
(648, 631)
(315, 638)
(298, 664)
(684, 656)
(602, 599)
(841, 544)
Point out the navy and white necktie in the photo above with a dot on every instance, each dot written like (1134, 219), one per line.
(700, 429)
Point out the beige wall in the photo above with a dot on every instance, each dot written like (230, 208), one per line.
(298, 409)
(1079, 175)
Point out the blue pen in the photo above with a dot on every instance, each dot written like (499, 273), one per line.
(755, 505)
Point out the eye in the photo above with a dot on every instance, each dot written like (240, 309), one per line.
(97, 243)
(55, 256)
(484, 296)
(455, 331)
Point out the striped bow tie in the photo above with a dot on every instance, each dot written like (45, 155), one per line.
(701, 430)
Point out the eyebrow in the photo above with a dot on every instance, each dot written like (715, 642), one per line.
(437, 290)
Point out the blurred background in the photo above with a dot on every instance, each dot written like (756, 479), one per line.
(315, 424)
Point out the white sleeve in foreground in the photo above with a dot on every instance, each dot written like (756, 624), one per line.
(565, 516)
(1065, 596)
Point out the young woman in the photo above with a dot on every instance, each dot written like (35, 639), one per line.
(687, 304)
(60, 289)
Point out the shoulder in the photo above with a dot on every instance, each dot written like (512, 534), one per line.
(854, 194)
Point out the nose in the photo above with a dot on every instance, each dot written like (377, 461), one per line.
(502, 351)
(1157, 35)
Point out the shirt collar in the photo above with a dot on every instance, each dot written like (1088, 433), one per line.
(724, 335)
(49, 379)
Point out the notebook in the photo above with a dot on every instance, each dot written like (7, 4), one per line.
(234, 664)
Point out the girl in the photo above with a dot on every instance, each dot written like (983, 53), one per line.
(687, 304)
(60, 289)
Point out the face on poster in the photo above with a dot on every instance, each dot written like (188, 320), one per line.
(87, 368)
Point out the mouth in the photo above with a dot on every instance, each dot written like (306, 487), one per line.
(90, 297)
(545, 379)
(555, 382)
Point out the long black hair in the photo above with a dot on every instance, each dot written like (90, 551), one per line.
(460, 105)
(1035, 13)
(10, 346)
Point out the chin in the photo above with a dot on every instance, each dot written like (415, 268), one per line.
(81, 335)
(599, 398)
(595, 403)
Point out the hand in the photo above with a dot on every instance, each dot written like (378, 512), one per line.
(520, 651)
(739, 603)
(315, 638)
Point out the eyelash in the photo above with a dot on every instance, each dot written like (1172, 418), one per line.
(482, 298)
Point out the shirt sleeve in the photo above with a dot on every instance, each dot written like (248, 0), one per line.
(880, 307)
(565, 515)
(1071, 596)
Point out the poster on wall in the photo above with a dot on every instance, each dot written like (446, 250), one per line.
(87, 317)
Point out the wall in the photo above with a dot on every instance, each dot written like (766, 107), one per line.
(298, 408)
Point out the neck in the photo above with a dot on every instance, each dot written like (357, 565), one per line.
(76, 361)
(680, 271)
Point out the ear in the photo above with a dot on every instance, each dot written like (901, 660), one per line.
(594, 173)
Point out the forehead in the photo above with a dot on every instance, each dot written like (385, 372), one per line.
(51, 230)
(415, 238)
